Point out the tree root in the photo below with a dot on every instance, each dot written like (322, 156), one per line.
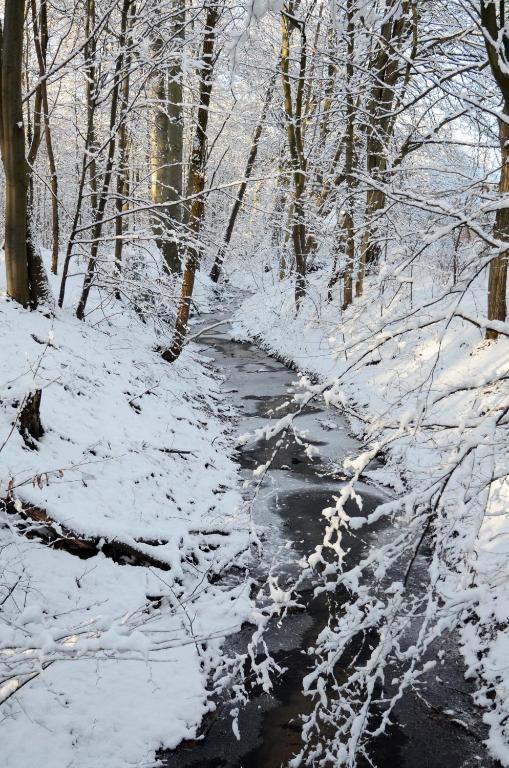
(30, 425)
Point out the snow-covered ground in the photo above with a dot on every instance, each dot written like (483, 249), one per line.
(423, 388)
(110, 660)
(112, 655)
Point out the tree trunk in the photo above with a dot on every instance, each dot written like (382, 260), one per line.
(350, 154)
(496, 38)
(13, 155)
(121, 203)
(196, 185)
(103, 197)
(294, 132)
(30, 425)
(318, 183)
(55, 219)
(218, 262)
(122, 179)
(279, 214)
(88, 164)
(497, 280)
(41, 39)
(91, 98)
(387, 71)
(166, 144)
(176, 130)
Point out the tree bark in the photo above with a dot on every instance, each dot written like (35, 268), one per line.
(495, 35)
(350, 154)
(387, 71)
(176, 130)
(166, 144)
(91, 98)
(295, 144)
(196, 185)
(26, 280)
(123, 186)
(55, 218)
(497, 279)
(30, 425)
(41, 39)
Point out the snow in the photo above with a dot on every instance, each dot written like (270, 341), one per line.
(417, 381)
(104, 661)
(118, 659)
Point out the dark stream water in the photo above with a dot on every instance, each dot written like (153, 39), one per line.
(427, 732)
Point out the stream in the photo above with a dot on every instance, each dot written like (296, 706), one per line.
(438, 728)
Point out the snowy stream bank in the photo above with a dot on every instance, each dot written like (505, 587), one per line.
(118, 657)
(434, 728)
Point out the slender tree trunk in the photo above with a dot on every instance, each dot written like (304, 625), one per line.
(166, 144)
(41, 39)
(387, 71)
(122, 178)
(103, 197)
(77, 214)
(196, 185)
(121, 202)
(350, 154)
(33, 136)
(278, 239)
(13, 154)
(496, 38)
(325, 120)
(26, 279)
(89, 164)
(497, 279)
(55, 218)
(176, 131)
(34, 133)
(218, 262)
(293, 127)
(90, 95)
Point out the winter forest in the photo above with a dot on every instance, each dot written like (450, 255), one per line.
(254, 383)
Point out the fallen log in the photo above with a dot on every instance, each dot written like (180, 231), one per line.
(58, 536)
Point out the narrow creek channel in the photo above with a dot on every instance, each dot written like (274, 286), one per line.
(438, 728)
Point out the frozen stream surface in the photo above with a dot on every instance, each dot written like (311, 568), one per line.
(440, 728)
